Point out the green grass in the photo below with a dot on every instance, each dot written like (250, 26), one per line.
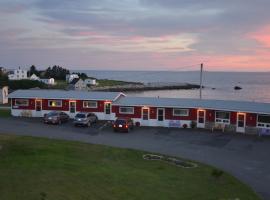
(60, 84)
(58, 170)
(5, 113)
(107, 82)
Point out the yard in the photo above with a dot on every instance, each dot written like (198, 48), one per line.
(35, 168)
(4, 112)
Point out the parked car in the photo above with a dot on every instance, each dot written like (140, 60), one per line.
(56, 117)
(85, 119)
(123, 124)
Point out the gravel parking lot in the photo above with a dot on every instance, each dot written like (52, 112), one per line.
(246, 157)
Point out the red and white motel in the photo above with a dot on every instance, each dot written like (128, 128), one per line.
(239, 116)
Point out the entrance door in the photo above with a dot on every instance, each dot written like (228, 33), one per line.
(201, 118)
(72, 108)
(38, 108)
(160, 116)
(107, 110)
(241, 122)
(145, 116)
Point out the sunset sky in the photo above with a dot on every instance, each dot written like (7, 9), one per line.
(229, 35)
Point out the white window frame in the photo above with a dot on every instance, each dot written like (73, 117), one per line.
(21, 104)
(221, 120)
(86, 102)
(58, 106)
(121, 112)
(181, 115)
(262, 124)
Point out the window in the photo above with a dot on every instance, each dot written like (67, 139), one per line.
(21, 102)
(89, 104)
(180, 112)
(55, 103)
(126, 110)
(263, 121)
(222, 117)
(160, 114)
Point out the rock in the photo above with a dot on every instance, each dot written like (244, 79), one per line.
(237, 88)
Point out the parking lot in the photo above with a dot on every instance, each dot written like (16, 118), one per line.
(246, 157)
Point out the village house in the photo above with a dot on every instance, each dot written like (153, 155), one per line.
(49, 81)
(18, 74)
(235, 116)
(90, 82)
(71, 77)
(78, 84)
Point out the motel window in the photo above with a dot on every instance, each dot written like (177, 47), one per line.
(222, 117)
(89, 104)
(55, 103)
(180, 112)
(126, 110)
(21, 102)
(264, 121)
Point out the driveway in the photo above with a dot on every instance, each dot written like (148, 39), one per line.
(245, 157)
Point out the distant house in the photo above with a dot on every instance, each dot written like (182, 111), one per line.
(90, 81)
(78, 84)
(71, 77)
(17, 74)
(3, 70)
(4, 94)
(34, 77)
(49, 81)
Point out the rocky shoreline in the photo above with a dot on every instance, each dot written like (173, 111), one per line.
(146, 87)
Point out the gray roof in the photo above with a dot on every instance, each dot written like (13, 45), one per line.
(64, 94)
(226, 105)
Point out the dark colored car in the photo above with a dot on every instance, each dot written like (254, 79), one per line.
(123, 124)
(55, 117)
(85, 119)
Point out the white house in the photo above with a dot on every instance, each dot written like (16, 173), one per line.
(90, 81)
(78, 84)
(4, 94)
(49, 81)
(34, 77)
(71, 77)
(18, 74)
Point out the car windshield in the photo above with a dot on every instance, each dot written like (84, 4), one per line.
(80, 115)
(51, 114)
(120, 121)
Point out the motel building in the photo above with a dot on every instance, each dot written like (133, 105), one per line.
(236, 116)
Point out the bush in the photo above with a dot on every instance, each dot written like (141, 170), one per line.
(217, 173)
(193, 124)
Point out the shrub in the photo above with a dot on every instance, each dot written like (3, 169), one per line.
(25, 84)
(217, 173)
(193, 124)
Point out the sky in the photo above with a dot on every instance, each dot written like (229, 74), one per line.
(232, 35)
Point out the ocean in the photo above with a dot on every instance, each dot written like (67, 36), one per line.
(218, 85)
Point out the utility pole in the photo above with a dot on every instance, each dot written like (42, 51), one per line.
(201, 80)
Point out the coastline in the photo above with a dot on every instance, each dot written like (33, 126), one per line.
(146, 87)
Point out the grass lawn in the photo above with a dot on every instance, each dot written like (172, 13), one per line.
(60, 84)
(107, 82)
(35, 168)
(5, 113)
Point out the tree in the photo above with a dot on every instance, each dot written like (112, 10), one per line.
(33, 70)
(56, 72)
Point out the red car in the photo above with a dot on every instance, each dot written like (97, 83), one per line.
(123, 124)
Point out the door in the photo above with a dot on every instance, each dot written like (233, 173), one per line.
(241, 122)
(38, 108)
(107, 110)
(72, 108)
(201, 118)
(145, 116)
(160, 116)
